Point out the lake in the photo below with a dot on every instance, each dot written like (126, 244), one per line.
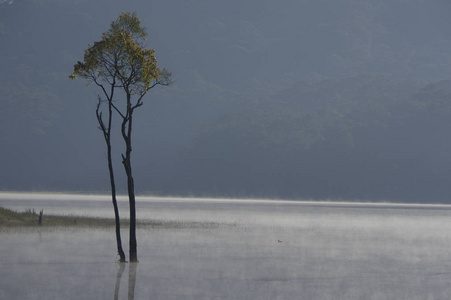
(231, 249)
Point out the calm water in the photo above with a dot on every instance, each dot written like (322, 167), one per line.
(260, 250)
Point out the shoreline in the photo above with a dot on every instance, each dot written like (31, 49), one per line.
(30, 219)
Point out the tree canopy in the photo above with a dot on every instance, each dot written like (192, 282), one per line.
(119, 59)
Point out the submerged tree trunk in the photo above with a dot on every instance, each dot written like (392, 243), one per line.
(107, 135)
(131, 199)
(126, 160)
(116, 209)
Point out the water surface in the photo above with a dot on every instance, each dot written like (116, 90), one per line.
(256, 250)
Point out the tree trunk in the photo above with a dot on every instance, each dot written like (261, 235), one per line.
(116, 209)
(107, 135)
(131, 199)
(126, 160)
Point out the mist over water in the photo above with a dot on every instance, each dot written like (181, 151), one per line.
(235, 249)
(231, 211)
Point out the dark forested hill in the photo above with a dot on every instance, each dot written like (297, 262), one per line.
(356, 138)
(294, 99)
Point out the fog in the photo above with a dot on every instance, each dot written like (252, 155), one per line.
(295, 99)
(232, 249)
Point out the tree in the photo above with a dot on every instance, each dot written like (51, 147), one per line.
(120, 61)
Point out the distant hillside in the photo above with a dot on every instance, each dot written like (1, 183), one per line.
(360, 138)
(311, 98)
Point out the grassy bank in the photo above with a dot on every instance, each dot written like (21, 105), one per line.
(30, 218)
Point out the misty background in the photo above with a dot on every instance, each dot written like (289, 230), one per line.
(312, 99)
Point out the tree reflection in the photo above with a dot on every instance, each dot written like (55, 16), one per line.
(120, 271)
(132, 267)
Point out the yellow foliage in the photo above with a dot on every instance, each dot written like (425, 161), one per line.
(120, 57)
